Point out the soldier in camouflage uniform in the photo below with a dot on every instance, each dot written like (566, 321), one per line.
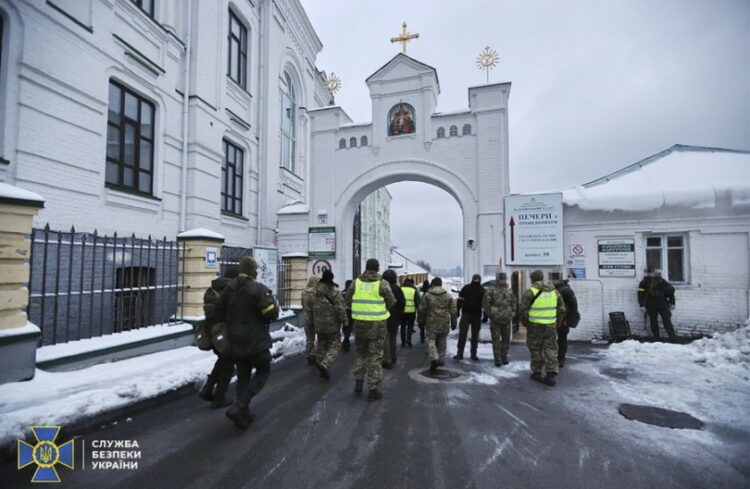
(309, 330)
(327, 315)
(542, 309)
(499, 304)
(437, 311)
(369, 334)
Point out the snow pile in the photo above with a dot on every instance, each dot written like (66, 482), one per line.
(728, 352)
(677, 178)
(288, 340)
(63, 398)
(709, 378)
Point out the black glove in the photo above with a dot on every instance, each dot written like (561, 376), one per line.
(453, 324)
(485, 318)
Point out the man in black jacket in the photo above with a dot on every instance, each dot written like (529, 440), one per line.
(656, 298)
(247, 306)
(571, 315)
(221, 374)
(470, 309)
(394, 321)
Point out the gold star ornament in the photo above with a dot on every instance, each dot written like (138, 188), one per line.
(487, 60)
(333, 83)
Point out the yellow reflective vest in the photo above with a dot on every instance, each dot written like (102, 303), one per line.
(409, 293)
(544, 308)
(367, 303)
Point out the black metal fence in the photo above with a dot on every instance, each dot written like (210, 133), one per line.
(284, 278)
(84, 285)
(231, 256)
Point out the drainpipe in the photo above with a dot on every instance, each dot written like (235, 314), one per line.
(185, 120)
(258, 126)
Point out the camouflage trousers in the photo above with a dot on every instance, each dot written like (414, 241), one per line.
(329, 345)
(542, 343)
(368, 344)
(501, 333)
(437, 342)
(310, 336)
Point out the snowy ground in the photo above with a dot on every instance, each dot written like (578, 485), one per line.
(709, 378)
(63, 398)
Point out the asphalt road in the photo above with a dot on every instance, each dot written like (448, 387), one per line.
(515, 433)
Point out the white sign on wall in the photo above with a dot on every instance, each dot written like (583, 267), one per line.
(616, 257)
(268, 265)
(322, 242)
(534, 229)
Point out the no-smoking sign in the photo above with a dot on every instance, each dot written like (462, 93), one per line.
(577, 250)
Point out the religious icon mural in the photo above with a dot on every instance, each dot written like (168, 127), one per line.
(401, 120)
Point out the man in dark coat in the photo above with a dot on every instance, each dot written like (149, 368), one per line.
(425, 288)
(346, 345)
(394, 320)
(215, 389)
(656, 298)
(247, 306)
(571, 315)
(470, 309)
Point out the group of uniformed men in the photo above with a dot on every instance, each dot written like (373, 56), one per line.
(375, 307)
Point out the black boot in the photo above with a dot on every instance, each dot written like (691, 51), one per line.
(324, 372)
(374, 395)
(358, 386)
(346, 345)
(240, 415)
(458, 356)
(549, 379)
(434, 365)
(207, 392)
(474, 357)
(505, 360)
(312, 360)
(536, 376)
(221, 401)
(386, 365)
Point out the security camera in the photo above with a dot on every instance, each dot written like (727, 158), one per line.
(471, 243)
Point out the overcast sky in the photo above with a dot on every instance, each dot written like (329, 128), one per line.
(596, 85)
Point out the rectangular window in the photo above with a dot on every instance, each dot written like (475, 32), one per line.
(231, 179)
(130, 140)
(667, 253)
(146, 5)
(237, 66)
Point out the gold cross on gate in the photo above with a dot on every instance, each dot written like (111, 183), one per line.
(404, 38)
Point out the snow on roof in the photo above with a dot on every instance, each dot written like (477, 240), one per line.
(687, 176)
(298, 208)
(354, 124)
(452, 112)
(200, 233)
(294, 255)
(9, 191)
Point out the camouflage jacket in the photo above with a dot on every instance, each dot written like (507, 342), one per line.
(307, 300)
(328, 311)
(528, 298)
(437, 310)
(499, 304)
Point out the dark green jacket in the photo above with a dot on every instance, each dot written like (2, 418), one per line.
(247, 307)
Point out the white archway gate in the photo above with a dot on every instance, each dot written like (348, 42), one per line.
(464, 153)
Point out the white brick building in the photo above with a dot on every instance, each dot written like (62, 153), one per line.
(375, 212)
(106, 115)
(686, 211)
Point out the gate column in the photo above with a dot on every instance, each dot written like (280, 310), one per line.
(18, 337)
(200, 251)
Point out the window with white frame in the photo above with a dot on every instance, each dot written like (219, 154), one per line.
(288, 122)
(668, 253)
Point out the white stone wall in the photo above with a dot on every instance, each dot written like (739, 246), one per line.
(376, 227)
(716, 293)
(54, 77)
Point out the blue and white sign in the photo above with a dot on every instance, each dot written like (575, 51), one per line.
(211, 257)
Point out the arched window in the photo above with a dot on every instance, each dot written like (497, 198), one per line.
(288, 123)
(363, 141)
(441, 132)
(352, 142)
(454, 131)
(342, 143)
(466, 130)
(401, 120)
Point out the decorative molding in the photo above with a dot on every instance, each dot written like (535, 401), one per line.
(238, 120)
(375, 150)
(69, 16)
(427, 145)
(141, 58)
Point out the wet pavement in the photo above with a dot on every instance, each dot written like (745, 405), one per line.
(480, 428)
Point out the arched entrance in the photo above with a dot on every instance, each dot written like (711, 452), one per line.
(400, 171)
